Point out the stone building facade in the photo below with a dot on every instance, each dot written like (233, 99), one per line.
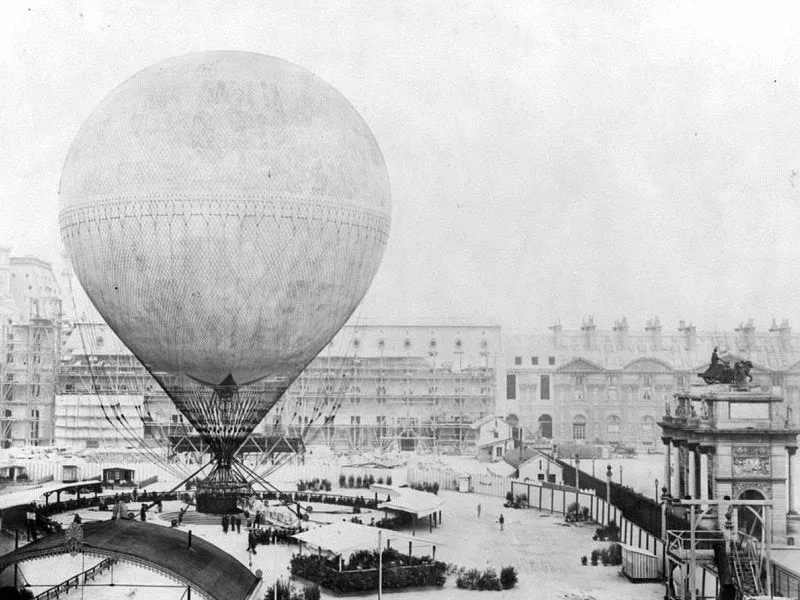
(611, 386)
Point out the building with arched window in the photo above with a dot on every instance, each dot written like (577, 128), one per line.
(611, 386)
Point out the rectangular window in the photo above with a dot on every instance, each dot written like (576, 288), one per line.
(517, 360)
(534, 360)
(511, 386)
(355, 420)
(544, 387)
(579, 431)
(551, 360)
(540, 476)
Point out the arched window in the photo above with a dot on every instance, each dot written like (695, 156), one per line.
(648, 428)
(579, 427)
(546, 426)
(613, 427)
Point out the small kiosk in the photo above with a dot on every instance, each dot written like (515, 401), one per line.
(118, 476)
(69, 473)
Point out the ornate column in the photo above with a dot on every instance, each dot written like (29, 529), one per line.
(791, 481)
(704, 451)
(692, 459)
(675, 484)
(667, 464)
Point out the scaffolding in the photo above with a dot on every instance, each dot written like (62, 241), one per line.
(28, 372)
(398, 403)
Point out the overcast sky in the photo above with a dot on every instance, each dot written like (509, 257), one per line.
(548, 160)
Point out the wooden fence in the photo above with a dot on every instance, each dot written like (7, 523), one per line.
(559, 500)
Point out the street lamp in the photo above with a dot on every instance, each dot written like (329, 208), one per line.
(609, 474)
(577, 481)
(656, 492)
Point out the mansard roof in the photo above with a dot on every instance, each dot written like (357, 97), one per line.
(673, 350)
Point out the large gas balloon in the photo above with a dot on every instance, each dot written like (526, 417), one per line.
(225, 212)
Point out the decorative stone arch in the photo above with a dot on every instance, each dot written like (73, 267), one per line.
(749, 523)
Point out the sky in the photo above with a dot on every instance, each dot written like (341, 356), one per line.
(548, 160)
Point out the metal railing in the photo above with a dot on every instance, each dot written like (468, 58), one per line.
(74, 582)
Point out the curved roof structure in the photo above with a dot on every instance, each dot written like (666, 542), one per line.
(209, 571)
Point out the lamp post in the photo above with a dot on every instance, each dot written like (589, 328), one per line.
(620, 474)
(656, 490)
(577, 484)
(608, 484)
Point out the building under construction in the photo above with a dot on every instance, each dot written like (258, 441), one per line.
(397, 388)
(30, 330)
(372, 388)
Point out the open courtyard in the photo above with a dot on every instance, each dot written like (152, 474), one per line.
(545, 551)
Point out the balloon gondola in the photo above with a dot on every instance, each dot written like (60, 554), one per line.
(225, 212)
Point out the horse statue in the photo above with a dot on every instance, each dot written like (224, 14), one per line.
(721, 372)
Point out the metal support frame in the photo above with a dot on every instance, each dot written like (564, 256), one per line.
(674, 542)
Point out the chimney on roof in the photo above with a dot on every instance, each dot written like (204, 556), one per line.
(621, 330)
(784, 333)
(654, 327)
(689, 334)
(747, 335)
(588, 329)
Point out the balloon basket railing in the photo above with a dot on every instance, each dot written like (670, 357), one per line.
(222, 491)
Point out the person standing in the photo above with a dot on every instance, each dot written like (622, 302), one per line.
(479, 510)
(143, 512)
(225, 523)
(238, 524)
(501, 520)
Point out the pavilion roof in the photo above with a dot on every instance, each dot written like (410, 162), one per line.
(414, 502)
(345, 538)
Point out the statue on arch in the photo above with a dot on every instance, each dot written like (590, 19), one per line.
(720, 370)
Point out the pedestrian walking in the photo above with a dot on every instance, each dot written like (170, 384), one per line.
(479, 510)
(225, 523)
(501, 520)
(143, 512)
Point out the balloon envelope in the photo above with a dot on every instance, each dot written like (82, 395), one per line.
(226, 213)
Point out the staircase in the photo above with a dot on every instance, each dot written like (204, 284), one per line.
(748, 580)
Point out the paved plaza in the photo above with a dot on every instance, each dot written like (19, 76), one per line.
(545, 552)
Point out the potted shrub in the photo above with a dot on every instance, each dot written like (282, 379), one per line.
(342, 480)
(584, 560)
(351, 481)
(388, 480)
(508, 577)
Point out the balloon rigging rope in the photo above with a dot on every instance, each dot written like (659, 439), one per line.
(149, 456)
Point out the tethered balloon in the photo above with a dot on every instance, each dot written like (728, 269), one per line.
(225, 212)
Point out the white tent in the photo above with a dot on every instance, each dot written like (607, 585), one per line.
(345, 538)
